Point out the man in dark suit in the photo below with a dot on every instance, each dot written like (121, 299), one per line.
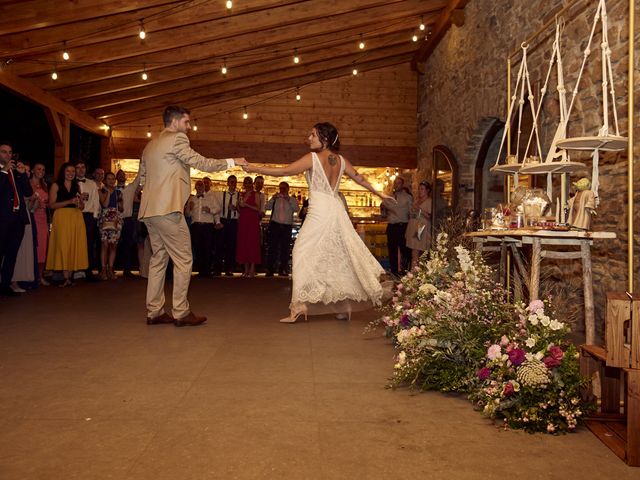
(14, 186)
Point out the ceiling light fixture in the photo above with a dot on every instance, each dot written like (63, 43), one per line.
(195, 125)
(422, 27)
(415, 37)
(298, 97)
(142, 34)
(224, 69)
(361, 44)
(229, 4)
(296, 58)
(149, 131)
(145, 77)
(65, 54)
(355, 70)
(54, 75)
(245, 114)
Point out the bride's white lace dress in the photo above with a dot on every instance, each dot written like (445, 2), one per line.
(333, 270)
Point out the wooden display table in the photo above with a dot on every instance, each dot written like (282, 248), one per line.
(516, 238)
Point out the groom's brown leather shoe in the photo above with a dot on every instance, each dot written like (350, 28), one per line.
(164, 318)
(191, 320)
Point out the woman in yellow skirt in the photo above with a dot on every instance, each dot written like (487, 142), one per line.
(68, 241)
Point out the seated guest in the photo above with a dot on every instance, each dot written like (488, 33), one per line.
(68, 241)
(14, 187)
(282, 207)
(110, 225)
(202, 209)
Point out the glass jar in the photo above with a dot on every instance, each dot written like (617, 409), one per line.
(535, 204)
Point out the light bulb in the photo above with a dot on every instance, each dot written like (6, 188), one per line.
(145, 76)
(422, 27)
(142, 34)
(245, 115)
(355, 71)
(224, 67)
(229, 4)
(298, 97)
(415, 37)
(195, 128)
(361, 44)
(149, 132)
(296, 58)
(65, 53)
(54, 75)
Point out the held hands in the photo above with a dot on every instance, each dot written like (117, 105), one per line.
(240, 161)
(247, 167)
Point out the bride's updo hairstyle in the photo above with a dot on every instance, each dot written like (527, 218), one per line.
(328, 135)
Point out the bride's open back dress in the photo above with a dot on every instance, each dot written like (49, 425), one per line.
(333, 270)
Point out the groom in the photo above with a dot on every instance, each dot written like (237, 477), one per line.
(164, 175)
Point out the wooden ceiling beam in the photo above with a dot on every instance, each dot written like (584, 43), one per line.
(146, 110)
(161, 74)
(34, 14)
(190, 81)
(37, 95)
(203, 31)
(437, 33)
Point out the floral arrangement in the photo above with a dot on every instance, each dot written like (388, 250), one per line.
(455, 331)
(441, 317)
(531, 378)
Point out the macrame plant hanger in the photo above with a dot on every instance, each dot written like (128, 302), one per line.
(604, 140)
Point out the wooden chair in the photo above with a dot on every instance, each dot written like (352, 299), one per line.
(616, 367)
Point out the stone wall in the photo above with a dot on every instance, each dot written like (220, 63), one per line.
(464, 87)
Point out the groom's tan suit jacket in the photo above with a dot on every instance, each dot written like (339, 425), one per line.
(164, 173)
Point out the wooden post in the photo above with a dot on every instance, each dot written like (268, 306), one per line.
(587, 285)
(632, 409)
(62, 149)
(106, 154)
(534, 288)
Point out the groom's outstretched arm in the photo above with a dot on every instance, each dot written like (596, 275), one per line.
(187, 155)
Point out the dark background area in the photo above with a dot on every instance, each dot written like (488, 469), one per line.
(25, 125)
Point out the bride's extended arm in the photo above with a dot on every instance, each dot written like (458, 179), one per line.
(360, 180)
(302, 164)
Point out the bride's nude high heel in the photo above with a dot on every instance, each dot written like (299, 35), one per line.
(344, 316)
(294, 318)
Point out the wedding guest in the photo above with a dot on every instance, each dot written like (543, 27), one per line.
(41, 216)
(397, 221)
(282, 207)
(201, 207)
(90, 214)
(248, 247)
(25, 267)
(67, 249)
(258, 185)
(110, 225)
(98, 177)
(418, 235)
(127, 243)
(227, 229)
(14, 187)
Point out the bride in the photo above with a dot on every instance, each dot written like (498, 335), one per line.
(333, 270)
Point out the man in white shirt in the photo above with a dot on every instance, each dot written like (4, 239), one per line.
(126, 250)
(90, 213)
(164, 175)
(282, 208)
(203, 211)
(227, 235)
(397, 221)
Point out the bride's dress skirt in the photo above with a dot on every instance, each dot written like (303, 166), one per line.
(333, 270)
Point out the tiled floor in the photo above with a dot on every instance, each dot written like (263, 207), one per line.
(89, 391)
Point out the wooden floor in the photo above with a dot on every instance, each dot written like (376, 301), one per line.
(89, 391)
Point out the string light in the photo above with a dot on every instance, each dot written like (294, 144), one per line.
(142, 34)
(54, 75)
(229, 4)
(149, 131)
(245, 114)
(361, 44)
(224, 69)
(145, 77)
(355, 70)
(415, 37)
(296, 58)
(65, 54)
(195, 125)
(298, 97)
(422, 27)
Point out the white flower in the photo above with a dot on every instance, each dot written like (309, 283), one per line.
(556, 325)
(427, 289)
(530, 342)
(402, 358)
(545, 321)
(533, 319)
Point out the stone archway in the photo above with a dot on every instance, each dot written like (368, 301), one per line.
(488, 187)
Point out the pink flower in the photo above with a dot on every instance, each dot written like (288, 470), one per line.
(551, 362)
(483, 373)
(508, 389)
(556, 352)
(504, 341)
(494, 352)
(516, 356)
(535, 306)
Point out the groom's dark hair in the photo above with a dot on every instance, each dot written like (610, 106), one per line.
(173, 111)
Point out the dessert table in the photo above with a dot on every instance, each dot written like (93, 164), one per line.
(514, 239)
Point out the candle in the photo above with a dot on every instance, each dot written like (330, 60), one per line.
(557, 210)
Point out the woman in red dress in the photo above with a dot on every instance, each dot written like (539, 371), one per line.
(248, 244)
